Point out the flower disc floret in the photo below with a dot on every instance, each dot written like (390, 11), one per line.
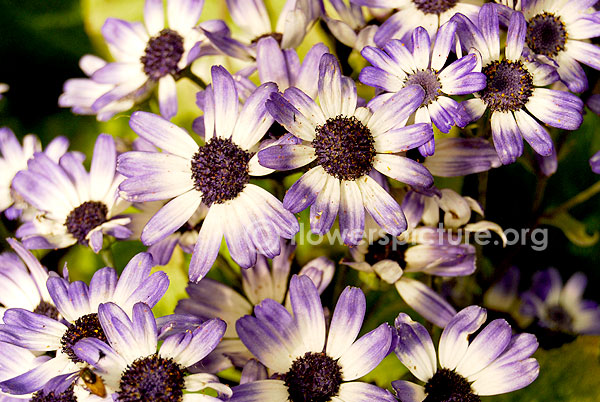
(152, 378)
(162, 54)
(509, 85)
(66, 396)
(84, 218)
(429, 81)
(46, 309)
(546, 34)
(220, 170)
(344, 147)
(434, 6)
(87, 326)
(449, 386)
(314, 377)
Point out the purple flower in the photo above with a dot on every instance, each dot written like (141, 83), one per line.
(350, 26)
(313, 364)
(147, 55)
(558, 33)
(396, 67)
(513, 85)
(77, 303)
(14, 158)
(73, 206)
(414, 13)
(347, 142)
(595, 163)
(561, 307)
(216, 174)
(211, 299)
(461, 156)
(132, 364)
(295, 20)
(493, 362)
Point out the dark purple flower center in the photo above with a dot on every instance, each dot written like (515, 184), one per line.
(429, 81)
(46, 309)
(66, 396)
(163, 53)
(508, 86)
(152, 378)
(275, 35)
(387, 248)
(434, 6)
(558, 318)
(220, 170)
(84, 218)
(449, 386)
(344, 147)
(546, 34)
(314, 377)
(87, 326)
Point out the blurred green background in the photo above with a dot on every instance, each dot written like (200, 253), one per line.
(40, 46)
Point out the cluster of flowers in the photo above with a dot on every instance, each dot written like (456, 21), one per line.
(431, 64)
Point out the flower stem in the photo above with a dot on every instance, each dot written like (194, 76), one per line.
(108, 256)
(187, 73)
(576, 200)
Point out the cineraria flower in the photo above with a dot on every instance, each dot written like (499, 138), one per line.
(216, 174)
(461, 156)
(295, 20)
(595, 163)
(78, 304)
(136, 368)
(74, 206)
(14, 158)
(311, 363)
(558, 33)
(146, 55)
(212, 299)
(347, 143)
(24, 285)
(513, 85)
(560, 308)
(493, 362)
(3, 88)
(396, 67)
(429, 14)
(350, 26)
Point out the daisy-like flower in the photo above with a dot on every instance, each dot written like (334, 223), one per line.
(494, 362)
(74, 206)
(560, 307)
(595, 163)
(396, 67)
(429, 14)
(147, 55)
(295, 20)
(513, 86)
(131, 363)
(349, 25)
(311, 364)
(23, 282)
(461, 156)
(212, 299)
(216, 174)
(77, 303)
(14, 158)
(347, 143)
(558, 33)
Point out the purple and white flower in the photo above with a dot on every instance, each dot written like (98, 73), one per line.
(77, 303)
(349, 25)
(3, 89)
(73, 206)
(147, 55)
(216, 174)
(14, 158)
(311, 362)
(411, 14)
(513, 86)
(558, 33)
(456, 156)
(212, 299)
(23, 282)
(396, 67)
(561, 307)
(347, 143)
(295, 20)
(493, 362)
(132, 364)
(595, 163)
